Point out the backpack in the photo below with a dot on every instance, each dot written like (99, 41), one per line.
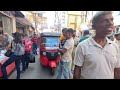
(28, 45)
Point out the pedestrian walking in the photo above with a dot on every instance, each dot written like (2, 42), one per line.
(23, 59)
(16, 56)
(98, 57)
(28, 50)
(86, 34)
(76, 42)
(35, 42)
(66, 58)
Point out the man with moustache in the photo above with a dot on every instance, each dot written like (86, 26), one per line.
(98, 57)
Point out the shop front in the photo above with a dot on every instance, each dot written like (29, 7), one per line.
(31, 31)
(9, 22)
(22, 25)
(7, 25)
(6, 22)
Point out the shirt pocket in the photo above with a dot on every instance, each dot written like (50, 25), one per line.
(90, 58)
(111, 58)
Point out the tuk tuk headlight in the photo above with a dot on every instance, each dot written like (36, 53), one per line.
(44, 53)
(58, 53)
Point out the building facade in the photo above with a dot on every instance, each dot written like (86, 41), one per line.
(12, 21)
(7, 22)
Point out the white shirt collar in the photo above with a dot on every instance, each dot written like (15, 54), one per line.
(93, 42)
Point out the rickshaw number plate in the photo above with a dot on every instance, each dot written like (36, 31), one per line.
(52, 54)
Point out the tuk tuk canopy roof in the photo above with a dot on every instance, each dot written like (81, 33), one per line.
(50, 34)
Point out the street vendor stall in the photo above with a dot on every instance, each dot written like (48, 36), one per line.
(3, 59)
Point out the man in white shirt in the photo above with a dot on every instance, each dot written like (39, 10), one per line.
(98, 57)
(76, 42)
(10, 38)
(66, 58)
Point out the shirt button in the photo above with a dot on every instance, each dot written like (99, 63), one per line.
(103, 52)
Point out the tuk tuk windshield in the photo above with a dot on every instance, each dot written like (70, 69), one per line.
(50, 41)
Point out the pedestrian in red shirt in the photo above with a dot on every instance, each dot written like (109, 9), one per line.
(35, 42)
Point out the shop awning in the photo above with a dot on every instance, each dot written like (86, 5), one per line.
(18, 14)
(23, 21)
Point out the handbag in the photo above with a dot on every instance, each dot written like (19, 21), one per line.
(31, 58)
(8, 53)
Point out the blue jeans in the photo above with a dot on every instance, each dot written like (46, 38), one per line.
(63, 67)
(8, 62)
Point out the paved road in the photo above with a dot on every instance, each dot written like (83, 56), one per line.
(35, 71)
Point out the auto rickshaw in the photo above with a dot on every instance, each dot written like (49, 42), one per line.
(49, 55)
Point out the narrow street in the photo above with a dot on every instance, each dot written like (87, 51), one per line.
(80, 44)
(35, 71)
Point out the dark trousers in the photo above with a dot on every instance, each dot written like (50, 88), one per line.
(34, 48)
(25, 61)
(8, 62)
(17, 63)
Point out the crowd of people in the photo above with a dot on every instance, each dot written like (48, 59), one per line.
(94, 57)
(21, 47)
(87, 57)
(98, 57)
(68, 43)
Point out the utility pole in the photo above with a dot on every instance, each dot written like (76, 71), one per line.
(56, 23)
(86, 16)
(82, 17)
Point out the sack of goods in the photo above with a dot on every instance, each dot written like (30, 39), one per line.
(31, 58)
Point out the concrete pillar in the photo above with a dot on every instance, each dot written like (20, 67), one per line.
(7, 25)
(14, 24)
(1, 21)
(27, 32)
